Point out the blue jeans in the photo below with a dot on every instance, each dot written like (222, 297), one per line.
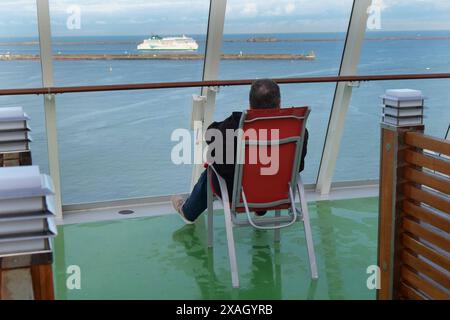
(198, 201)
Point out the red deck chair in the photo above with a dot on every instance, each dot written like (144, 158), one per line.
(255, 191)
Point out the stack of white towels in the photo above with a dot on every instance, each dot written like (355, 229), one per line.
(14, 130)
(26, 211)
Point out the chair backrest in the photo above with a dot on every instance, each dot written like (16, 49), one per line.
(268, 157)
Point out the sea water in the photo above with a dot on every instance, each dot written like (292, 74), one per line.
(117, 144)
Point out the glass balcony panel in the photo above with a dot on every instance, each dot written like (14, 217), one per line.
(400, 39)
(89, 36)
(359, 155)
(116, 145)
(407, 37)
(34, 108)
(19, 36)
(277, 28)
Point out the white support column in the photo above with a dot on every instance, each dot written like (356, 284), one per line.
(343, 93)
(45, 43)
(211, 70)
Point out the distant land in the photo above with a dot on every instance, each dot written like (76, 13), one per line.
(163, 56)
(253, 39)
(263, 39)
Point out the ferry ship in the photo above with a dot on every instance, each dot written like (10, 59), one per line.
(168, 43)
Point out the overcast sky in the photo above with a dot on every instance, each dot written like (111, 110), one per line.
(140, 17)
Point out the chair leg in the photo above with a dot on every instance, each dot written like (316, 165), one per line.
(1, 288)
(308, 233)
(229, 230)
(310, 245)
(210, 211)
(231, 247)
(277, 231)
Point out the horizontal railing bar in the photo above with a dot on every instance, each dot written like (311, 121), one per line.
(421, 284)
(431, 254)
(216, 83)
(422, 213)
(427, 161)
(411, 293)
(434, 181)
(432, 199)
(426, 268)
(422, 141)
(417, 230)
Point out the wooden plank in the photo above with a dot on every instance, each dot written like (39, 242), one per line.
(422, 160)
(415, 281)
(410, 293)
(422, 141)
(11, 163)
(11, 156)
(42, 276)
(436, 182)
(386, 216)
(25, 158)
(9, 159)
(419, 231)
(432, 199)
(426, 215)
(424, 250)
(425, 268)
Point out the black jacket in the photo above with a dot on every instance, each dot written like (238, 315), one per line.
(227, 170)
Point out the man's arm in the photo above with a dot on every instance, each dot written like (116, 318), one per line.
(214, 125)
(232, 122)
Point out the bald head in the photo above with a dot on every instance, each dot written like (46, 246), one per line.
(264, 94)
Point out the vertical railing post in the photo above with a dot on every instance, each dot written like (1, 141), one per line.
(390, 207)
(45, 43)
(214, 38)
(342, 95)
(388, 210)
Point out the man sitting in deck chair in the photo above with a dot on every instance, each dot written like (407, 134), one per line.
(264, 94)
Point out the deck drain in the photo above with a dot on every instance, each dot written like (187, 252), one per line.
(126, 211)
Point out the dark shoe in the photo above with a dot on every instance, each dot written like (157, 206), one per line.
(260, 213)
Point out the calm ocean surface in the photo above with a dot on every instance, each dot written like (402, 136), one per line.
(117, 144)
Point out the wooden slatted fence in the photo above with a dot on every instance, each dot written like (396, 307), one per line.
(414, 223)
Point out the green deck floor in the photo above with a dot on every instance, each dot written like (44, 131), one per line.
(160, 258)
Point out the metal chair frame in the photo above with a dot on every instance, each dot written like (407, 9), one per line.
(272, 223)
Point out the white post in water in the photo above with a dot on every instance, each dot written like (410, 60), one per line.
(45, 44)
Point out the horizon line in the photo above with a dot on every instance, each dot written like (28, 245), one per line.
(225, 34)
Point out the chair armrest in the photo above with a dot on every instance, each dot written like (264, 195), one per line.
(222, 185)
